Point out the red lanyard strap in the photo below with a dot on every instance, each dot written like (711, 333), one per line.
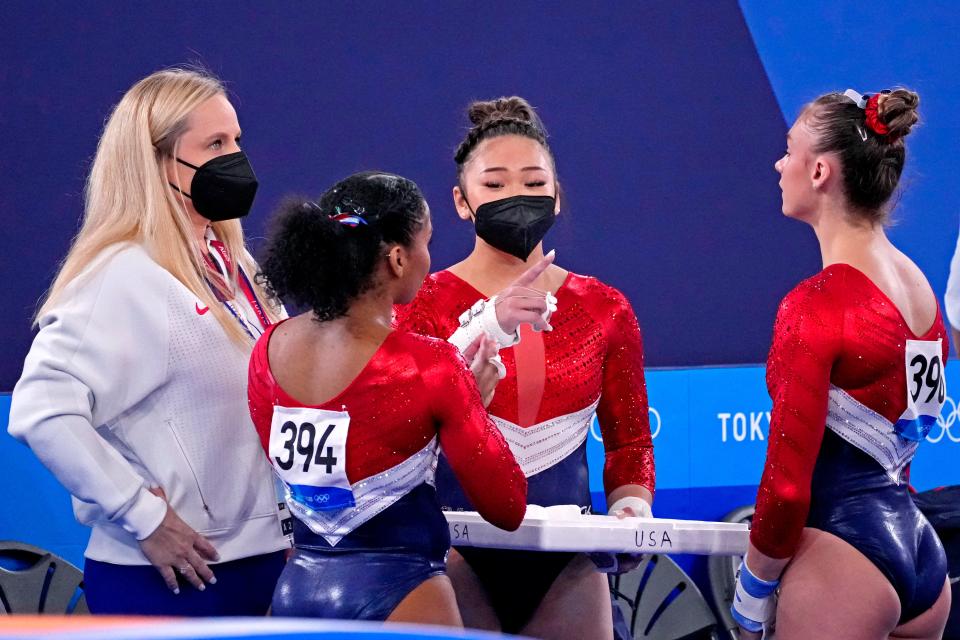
(244, 282)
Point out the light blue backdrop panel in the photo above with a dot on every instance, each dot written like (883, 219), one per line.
(34, 507)
(808, 48)
(710, 430)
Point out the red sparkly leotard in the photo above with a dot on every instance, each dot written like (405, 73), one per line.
(358, 471)
(854, 392)
(592, 362)
(413, 391)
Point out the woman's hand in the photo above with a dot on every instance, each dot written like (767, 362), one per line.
(176, 548)
(479, 356)
(520, 303)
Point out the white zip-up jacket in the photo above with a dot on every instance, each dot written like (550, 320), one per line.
(131, 383)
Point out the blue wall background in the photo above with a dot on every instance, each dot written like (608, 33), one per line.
(808, 48)
(666, 118)
(663, 123)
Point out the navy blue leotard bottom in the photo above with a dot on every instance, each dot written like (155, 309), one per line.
(855, 500)
(371, 570)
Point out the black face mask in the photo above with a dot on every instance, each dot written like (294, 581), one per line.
(223, 187)
(515, 225)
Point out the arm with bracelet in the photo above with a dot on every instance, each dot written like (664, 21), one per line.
(753, 601)
(807, 341)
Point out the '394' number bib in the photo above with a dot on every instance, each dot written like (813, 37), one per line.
(926, 388)
(308, 450)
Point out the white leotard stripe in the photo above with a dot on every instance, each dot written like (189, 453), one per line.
(870, 432)
(372, 495)
(543, 445)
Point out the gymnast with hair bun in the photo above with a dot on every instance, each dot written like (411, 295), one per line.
(570, 349)
(856, 374)
(351, 412)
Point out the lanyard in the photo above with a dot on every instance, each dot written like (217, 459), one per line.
(223, 269)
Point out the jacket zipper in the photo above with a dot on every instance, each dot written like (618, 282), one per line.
(196, 480)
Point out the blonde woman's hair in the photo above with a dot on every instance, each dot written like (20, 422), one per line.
(128, 200)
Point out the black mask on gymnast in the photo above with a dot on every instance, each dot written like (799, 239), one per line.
(223, 187)
(515, 225)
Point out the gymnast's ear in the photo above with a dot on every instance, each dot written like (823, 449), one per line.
(396, 260)
(461, 204)
(822, 170)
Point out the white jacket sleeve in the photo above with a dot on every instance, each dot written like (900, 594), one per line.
(952, 297)
(102, 351)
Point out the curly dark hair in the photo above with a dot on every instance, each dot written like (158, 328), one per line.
(323, 254)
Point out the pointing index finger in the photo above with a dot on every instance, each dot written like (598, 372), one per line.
(534, 272)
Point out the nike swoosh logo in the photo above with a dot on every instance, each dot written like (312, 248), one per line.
(203, 310)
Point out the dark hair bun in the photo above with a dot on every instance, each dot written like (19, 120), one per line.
(512, 108)
(503, 116)
(872, 161)
(898, 110)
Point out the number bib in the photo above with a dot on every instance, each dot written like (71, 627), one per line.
(308, 449)
(926, 388)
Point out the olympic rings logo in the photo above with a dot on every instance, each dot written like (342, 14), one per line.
(946, 420)
(655, 424)
(654, 414)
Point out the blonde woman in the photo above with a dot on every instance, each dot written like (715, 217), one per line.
(133, 393)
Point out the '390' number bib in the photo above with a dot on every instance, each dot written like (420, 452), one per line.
(308, 449)
(926, 388)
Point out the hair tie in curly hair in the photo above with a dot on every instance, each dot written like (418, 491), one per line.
(349, 218)
(352, 218)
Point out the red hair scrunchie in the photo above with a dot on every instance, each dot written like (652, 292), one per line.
(873, 116)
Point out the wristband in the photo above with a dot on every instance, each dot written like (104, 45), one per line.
(488, 318)
(482, 318)
(753, 603)
(640, 506)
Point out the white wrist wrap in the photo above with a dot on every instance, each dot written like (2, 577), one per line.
(753, 608)
(481, 318)
(639, 506)
(753, 602)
